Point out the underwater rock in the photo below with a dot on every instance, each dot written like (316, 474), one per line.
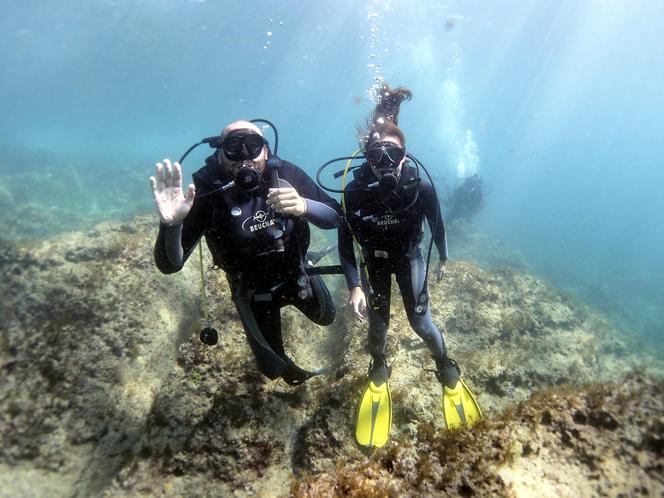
(106, 388)
(594, 440)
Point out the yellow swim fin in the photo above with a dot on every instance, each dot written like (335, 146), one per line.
(460, 406)
(374, 413)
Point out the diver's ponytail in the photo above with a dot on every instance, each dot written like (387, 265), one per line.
(385, 117)
(389, 102)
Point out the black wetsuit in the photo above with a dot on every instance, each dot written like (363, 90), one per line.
(389, 231)
(263, 276)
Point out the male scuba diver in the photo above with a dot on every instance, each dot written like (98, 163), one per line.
(253, 210)
(384, 208)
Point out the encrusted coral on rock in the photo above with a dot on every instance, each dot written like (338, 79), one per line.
(592, 440)
(107, 389)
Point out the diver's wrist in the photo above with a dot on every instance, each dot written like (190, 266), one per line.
(171, 224)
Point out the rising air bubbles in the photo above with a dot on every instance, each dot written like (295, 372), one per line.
(375, 43)
(269, 33)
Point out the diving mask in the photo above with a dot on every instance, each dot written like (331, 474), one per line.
(384, 155)
(242, 145)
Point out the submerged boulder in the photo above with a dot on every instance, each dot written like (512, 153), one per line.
(106, 388)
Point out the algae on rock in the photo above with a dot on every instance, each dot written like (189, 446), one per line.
(107, 389)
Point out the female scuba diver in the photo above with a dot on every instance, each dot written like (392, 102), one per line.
(253, 210)
(384, 207)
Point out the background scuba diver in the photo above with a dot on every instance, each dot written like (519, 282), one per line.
(384, 207)
(262, 253)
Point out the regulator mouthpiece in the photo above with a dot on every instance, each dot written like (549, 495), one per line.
(388, 182)
(248, 178)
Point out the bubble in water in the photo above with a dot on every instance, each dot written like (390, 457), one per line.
(269, 33)
(270, 20)
(281, 23)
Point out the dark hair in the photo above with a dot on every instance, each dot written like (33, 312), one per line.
(385, 116)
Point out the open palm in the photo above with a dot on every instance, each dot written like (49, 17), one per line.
(172, 204)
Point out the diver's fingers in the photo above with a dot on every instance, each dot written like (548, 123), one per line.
(275, 198)
(168, 172)
(283, 194)
(161, 182)
(153, 184)
(357, 308)
(177, 175)
(191, 193)
(279, 191)
(363, 307)
(441, 272)
(288, 210)
(283, 203)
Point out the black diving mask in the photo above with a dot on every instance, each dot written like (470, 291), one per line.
(384, 155)
(242, 145)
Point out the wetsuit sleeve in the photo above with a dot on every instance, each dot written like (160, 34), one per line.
(176, 242)
(322, 210)
(347, 256)
(435, 218)
(321, 214)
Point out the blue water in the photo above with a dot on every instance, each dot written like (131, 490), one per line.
(558, 105)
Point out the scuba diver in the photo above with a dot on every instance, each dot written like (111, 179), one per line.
(253, 210)
(468, 198)
(384, 207)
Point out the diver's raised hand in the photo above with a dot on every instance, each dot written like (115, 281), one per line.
(358, 302)
(172, 205)
(286, 201)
